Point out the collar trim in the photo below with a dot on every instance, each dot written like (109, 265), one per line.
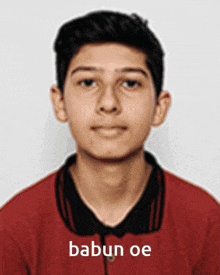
(144, 217)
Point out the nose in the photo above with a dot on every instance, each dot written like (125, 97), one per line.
(108, 102)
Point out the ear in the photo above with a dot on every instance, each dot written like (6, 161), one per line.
(161, 108)
(56, 97)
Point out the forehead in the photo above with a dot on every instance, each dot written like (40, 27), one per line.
(109, 55)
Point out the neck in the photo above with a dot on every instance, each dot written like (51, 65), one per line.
(110, 188)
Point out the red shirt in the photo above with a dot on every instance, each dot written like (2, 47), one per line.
(36, 238)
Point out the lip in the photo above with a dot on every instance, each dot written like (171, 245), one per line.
(109, 131)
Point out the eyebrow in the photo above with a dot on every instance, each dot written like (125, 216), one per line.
(124, 70)
(85, 68)
(137, 70)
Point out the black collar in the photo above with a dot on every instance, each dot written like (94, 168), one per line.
(145, 216)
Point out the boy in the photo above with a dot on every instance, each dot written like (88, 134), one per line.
(110, 209)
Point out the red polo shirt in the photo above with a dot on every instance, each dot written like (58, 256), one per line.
(174, 227)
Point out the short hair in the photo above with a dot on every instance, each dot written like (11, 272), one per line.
(108, 26)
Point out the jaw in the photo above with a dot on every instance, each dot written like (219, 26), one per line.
(110, 155)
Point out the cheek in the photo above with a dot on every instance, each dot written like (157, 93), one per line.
(141, 112)
(77, 108)
(79, 114)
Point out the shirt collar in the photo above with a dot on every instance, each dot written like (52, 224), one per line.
(144, 217)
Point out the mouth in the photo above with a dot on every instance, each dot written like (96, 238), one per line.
(109, 131)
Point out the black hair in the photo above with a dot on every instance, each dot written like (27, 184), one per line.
(108, 26)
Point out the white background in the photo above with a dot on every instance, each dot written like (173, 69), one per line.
(33, 143)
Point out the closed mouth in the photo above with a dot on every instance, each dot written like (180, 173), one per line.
(109, 131)
(109, 127)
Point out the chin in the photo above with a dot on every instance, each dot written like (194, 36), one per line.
(111, 156)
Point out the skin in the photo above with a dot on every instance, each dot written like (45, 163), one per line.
(109, 103)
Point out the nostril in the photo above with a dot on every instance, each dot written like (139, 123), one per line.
(109, 111)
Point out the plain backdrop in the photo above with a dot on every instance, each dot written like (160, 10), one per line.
(33, 143)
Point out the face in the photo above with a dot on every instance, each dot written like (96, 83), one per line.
(108, 101)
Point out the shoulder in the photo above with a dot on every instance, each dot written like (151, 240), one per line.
(30, 202)
(192, 215)
(189, 197)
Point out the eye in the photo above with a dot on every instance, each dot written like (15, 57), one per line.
(131, 83)
(87, 82)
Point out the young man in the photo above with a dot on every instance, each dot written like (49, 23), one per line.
(110, 209)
